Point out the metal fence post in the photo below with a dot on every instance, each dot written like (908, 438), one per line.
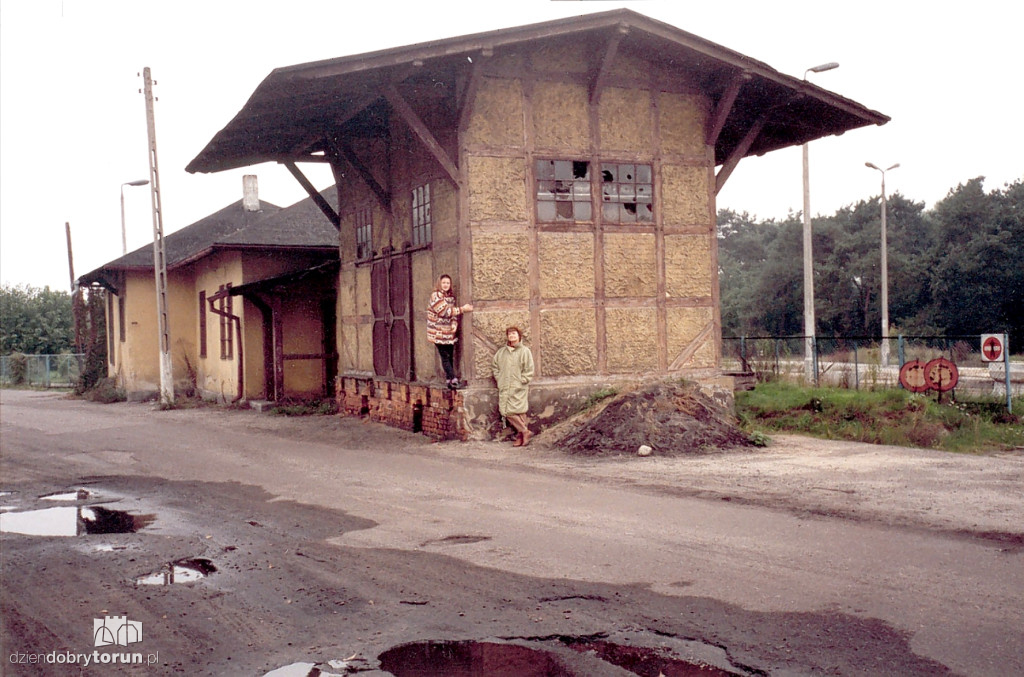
(814, 346)
(1006, 365)
(856, 367)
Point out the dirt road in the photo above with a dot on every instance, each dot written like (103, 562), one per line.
(338, 540)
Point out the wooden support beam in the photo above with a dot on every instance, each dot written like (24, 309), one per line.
(724, 107)
(402, 107)
(314, 195)
(611, 49)
(345, 152)
(739, 152)
(468, 99)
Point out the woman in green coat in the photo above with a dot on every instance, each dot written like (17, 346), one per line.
(513, 371)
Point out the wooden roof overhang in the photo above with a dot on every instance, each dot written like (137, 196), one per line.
(316, 111)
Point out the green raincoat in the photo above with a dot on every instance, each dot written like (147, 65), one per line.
(513, 370)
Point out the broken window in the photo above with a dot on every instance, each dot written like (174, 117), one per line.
(421, 219)
(626, 193)
(364, 234)
(563, 191)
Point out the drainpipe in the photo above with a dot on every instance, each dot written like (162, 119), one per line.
(238, 333)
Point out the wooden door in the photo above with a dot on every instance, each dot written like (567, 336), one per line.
(390, 298)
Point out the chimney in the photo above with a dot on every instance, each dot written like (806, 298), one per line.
(250, 194)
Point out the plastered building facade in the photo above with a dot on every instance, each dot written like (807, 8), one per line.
(564, 174)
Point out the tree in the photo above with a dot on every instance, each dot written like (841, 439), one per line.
(977, 260)
(35, 321)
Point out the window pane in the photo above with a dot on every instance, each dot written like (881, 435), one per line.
(545, 190)
(563, 211)
(627, 173)
(643, 174)
(545, 211)
(609, 172)
(583, 211)
(563, 169)
(545, 169)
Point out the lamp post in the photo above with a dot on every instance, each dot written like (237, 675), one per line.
(124, 236)
(808, 258)
(885, 270)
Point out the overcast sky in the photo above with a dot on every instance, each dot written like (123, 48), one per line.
(73, 127)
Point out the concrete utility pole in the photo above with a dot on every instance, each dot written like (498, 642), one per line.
(809, 370)
(885, 270)
(159, 258)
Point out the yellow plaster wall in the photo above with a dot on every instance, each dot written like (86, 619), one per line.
(364, 328)
(685, 195)
(625, 119)
(561, 118)
(423, 276)
(632, 339)
(497, 118)
(685, 325)
(683, 119)
(688, 266)
(497, 189)
(216, 376)
(630, 264)
(443, 208)
(140, 366)
(500, 266)
(303, 334)
(569, 340)
(566, 265)
(183, 320)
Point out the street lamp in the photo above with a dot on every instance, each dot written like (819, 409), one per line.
(808, 258)
(124, 236)
(885, 270)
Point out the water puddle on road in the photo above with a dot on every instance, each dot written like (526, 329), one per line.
(426, 659)
(73, 521)
(642, 660)
(182, 571)
(429, 659)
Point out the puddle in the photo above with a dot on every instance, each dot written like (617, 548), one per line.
(77, 495)
(642, 660)
(427, 659)
(73, 521)
(456, 540)
(182, 571)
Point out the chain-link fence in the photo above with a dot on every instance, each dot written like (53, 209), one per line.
(42, 371)
(863, 361)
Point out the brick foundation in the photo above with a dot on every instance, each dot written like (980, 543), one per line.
(436, 412)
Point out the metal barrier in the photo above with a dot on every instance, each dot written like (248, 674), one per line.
(857, 361)
(44, 371)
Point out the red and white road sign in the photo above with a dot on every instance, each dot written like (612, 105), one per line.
(992, 347)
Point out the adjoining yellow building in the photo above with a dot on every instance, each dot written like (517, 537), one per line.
(250, 291)
(564, 174)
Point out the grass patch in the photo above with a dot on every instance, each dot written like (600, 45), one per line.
(882, 417)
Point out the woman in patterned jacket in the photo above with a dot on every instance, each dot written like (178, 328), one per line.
(443, 323)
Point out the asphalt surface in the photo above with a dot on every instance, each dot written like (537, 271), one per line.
(327, 539)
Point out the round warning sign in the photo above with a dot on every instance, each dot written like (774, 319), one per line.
(992, 347)
(941, 374)
(912, 376)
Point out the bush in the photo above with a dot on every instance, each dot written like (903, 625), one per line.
(105, 391)
(18, 365)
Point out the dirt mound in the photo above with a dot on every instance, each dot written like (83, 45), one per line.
(672, 418)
